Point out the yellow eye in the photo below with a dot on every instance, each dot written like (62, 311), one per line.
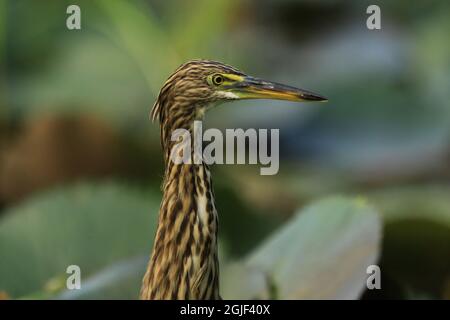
(217, 79)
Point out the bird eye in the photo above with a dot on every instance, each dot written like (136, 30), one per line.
(217, 79)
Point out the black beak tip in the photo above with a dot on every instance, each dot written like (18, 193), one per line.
(314, 97)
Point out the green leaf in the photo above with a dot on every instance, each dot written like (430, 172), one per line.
(323, 253)
(121, 280)
(92, 226)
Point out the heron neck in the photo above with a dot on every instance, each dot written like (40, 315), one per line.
(184, 263)
(174, 130)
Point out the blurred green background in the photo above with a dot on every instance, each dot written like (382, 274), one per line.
(81, 165)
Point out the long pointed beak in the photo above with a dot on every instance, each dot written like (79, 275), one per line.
(253, 88)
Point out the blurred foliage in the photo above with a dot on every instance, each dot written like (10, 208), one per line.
(416, 242)
(95, 226)
(416, 236)
(126, 34)
(89, 226)
(322, 253)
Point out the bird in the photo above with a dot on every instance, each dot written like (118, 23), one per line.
(184, 260)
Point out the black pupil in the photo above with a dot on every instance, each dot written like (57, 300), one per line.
(218, 80)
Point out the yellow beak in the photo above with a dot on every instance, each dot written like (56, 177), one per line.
(253, 88)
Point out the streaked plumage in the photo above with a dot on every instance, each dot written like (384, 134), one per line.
(184, 262)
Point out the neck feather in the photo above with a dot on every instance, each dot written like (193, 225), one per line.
(184, 263)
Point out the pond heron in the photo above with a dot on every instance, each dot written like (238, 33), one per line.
(184, 262)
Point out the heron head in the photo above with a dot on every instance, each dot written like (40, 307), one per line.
(199, 83)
